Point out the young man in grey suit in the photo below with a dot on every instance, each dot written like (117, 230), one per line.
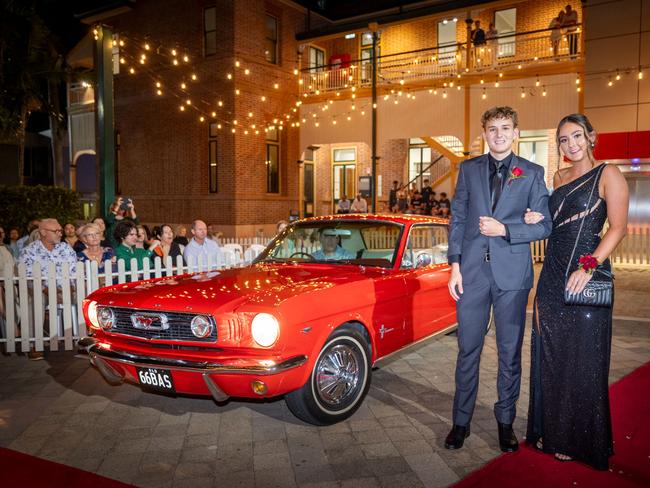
(491, 266)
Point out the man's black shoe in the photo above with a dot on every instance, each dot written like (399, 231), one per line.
(507, 439)
(456, 437)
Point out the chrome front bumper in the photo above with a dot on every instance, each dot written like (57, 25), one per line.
(99, 354)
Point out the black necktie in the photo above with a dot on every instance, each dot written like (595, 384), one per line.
(496, 181)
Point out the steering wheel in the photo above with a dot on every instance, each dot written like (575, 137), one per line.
(301, 253)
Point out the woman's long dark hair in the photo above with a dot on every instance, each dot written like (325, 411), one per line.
(583, 122)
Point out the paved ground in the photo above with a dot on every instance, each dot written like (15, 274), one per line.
(61, 409)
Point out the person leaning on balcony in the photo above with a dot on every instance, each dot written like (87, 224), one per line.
(478, 41)
(570, 23)
(126, 234)
(491, 36)
(556, 33)
(119, 211)
(91, 236)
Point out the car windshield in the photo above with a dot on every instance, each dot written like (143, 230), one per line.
(364, 243)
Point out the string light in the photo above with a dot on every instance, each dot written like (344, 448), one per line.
(523, 93)
(610, 82)
(537, 81)
(640, 75)
(618, 76)
(543, 91)
(193, 77)
(444, 94)
(484, 96)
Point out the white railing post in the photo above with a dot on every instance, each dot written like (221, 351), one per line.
(23, 301)
(10, 310)
(52, 312)
(37, 286)
(66, 303)
(81, 294)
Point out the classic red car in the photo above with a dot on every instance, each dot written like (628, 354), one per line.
(307, 319)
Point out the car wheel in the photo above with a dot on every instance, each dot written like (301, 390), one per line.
(338, 383)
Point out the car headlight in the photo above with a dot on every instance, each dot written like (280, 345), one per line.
(91, 311)
(201, 326)
(105, 317)
(265, 329)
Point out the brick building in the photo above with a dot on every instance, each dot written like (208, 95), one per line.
(308, 141)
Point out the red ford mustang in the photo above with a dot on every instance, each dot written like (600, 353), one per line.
(327, 298)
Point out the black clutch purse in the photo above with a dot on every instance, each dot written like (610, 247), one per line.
(596, 293)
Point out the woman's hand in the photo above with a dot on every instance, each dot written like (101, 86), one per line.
(577, 281)
(532, 217)
(154, 244)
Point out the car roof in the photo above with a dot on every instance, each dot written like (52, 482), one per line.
(395, 218)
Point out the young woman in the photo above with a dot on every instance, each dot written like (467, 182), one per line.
(568, 413)
(167, 245)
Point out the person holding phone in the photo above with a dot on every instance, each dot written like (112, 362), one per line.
(121, 209)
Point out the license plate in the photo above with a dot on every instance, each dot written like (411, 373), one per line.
(158, 379)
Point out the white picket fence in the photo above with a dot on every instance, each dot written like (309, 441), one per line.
(54, 314)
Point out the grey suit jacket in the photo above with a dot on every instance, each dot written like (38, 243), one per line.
(510, 261)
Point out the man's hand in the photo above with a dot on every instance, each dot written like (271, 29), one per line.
(532, 217)
(455, 280)
(491, 227)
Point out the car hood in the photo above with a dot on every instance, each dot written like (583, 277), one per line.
(225, 290)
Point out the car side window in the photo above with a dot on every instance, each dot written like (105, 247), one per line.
(427, 245)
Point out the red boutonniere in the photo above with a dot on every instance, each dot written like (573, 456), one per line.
(587, 263)
(515, 174)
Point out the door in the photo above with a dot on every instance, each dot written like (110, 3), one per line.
(426, 273)
(308, 192)
(344, 180)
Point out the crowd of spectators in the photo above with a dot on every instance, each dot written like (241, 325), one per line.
(418, 201)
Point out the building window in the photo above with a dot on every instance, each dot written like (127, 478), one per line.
(316, 59)
(505, 22)
(367, 54)
(210, 30)
(447, 42)
(419, 161)
(272, 162)
(271, 39)
(212, 158)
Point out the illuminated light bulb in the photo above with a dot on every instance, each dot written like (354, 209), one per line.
(537, 82)
(334, 122)
(518, 66)
(245, 132)
(295, 71)
(435, 91)
(399, 93)
(214, 114)
(317, 92)
(122, 61)
(458, 75)
(577, 81)
(496, 84)
(182, 108)
(444, 94)
(237, 64)
(257, 132)
(297, 124)
(579, 89)
(287, 117)
(132, 71)
(374, 105)
(218, 126)
(338, 94)
(618, 76)
(247, 71)
(236, 91)
(523, 93)
(401, 82)
(385, 97)
(201, 118)
(234, 122)
(263, 98)
(158, 84)
(300, 81)
(250, 114)
(233, 130)
(451, 84)
(313, 115)
(640, 75)
(183, 86)
(159, 92)
(229, 76)
(304, 120)
(220, 103)
(186, 58)
(175, 62)
(458, 88)
(275, 121)
(363, 112)
(354, 95)
(316, 124)
(142, 60)
(610, 82)
(484, 96)
(500, 75)
(430, 90)
(193, 77)
(349, 118)
(276, 86)
(482, 81)
(146, 46)
(188, 101)
(331, 102)
(121, 43)
(396, 102)
(174, 52)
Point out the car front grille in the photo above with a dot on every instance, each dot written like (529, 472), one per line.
(179, 326)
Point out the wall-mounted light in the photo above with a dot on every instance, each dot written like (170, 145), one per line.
(351, 35)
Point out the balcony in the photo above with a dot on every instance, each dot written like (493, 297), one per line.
(431, 66)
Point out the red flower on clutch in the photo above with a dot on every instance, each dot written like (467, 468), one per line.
(587, 263)
(515, 174)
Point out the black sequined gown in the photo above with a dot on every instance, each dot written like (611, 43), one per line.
(570, 346)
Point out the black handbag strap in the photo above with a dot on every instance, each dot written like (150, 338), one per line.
(587, 211)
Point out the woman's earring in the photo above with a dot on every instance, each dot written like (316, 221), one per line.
(592, 144)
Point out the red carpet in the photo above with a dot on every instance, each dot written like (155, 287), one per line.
(25, 471)
(629, 467)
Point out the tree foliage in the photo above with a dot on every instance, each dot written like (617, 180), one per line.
(20, 204)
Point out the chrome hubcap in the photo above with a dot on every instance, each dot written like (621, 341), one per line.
(337, 374)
